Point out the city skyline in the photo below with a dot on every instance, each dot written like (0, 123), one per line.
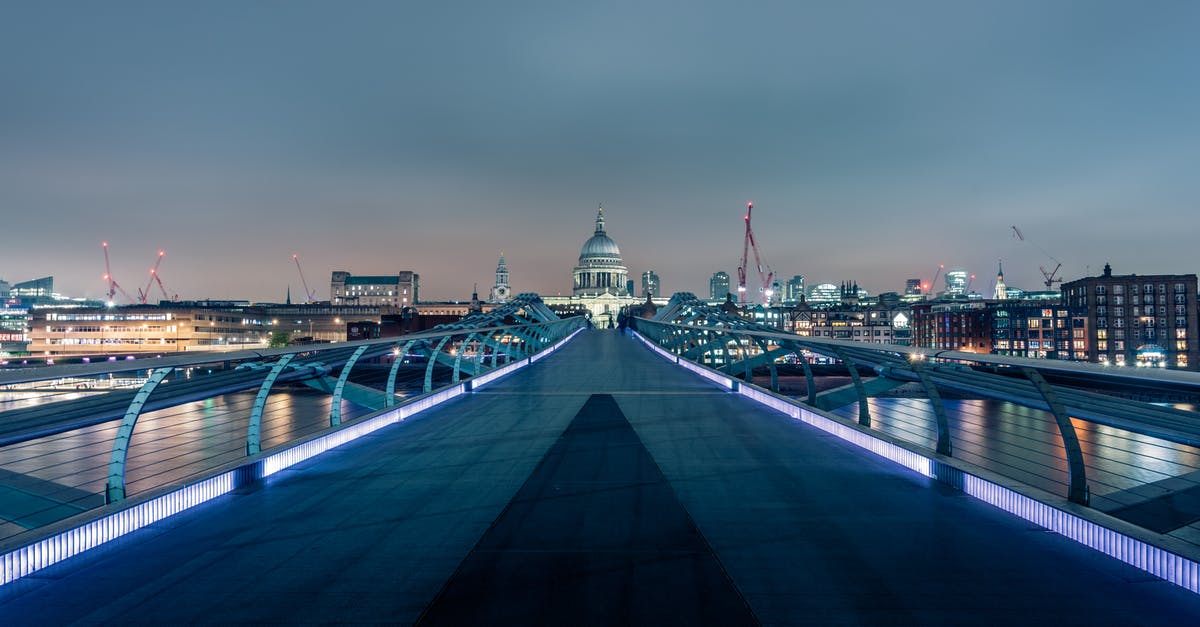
(876, 142)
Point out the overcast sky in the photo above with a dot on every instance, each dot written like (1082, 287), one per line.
(877, 140)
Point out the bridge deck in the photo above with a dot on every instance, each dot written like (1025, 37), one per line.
(601, 485)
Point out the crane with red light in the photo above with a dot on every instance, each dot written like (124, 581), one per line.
(113, 286)
(749, 244)
(309, 295)
(932, 285)
(145, 294)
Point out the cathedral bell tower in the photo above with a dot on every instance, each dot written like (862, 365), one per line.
(501, 290)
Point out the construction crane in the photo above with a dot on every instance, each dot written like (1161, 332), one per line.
(113, 286)
(1050, 275)
(143, 295)
(309, 295)
(929, 287)
(747, 245)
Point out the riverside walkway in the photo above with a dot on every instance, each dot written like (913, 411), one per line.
(600, 485)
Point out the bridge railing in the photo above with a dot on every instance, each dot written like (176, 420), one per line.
(53, 420)
(736, 346)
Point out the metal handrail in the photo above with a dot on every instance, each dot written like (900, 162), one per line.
(1023, 383)
(262, 369)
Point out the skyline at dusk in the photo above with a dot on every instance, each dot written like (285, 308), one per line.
(877, 141)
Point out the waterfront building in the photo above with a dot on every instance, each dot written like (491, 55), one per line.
(14, 326)
(1148, 320)
(398, 290)
(1015, 328)
(188, 326)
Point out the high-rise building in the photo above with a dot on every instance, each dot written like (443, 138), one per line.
(650, 284)
(33, 292)
(912, 287)
(956, 282)
(793, 290)
(718, 286)
(825, 293)
(501, 289)
(1133, 319)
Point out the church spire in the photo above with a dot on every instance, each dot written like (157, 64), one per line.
(1001, 292)
(600, 220)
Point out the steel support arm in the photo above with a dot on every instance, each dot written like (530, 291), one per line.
(114, 489)
(1077, 488)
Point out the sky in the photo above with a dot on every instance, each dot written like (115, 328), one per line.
(876, 139)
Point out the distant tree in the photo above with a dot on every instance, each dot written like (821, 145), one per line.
(280, 339)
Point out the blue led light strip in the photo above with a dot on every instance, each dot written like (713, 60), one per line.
(42, 553)
(1157, 561)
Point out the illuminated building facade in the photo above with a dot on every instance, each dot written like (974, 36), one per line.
(793, 290)
(400, 290)
(1147, 320)
(650, 284)
(600, 281)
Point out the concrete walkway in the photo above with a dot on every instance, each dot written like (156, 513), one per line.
(601, 485)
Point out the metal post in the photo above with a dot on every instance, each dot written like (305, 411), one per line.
(432, 360)
(390, 400)
(864, 411)
(335, 408)
(114, 490)
(944, 446)
(1077, 488)
(254, 431)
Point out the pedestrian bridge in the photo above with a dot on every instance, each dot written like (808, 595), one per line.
(602, 480)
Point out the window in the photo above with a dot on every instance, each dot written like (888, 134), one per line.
(1118, 345)
(1119, 313)
(1117, 289)
(1181, 345)
(1181, 323)
(1181, 334)
(1118, 300)
(1102, 334)
(1135, 299)
(1179, 289)
(1147, 289)
(1102, 345)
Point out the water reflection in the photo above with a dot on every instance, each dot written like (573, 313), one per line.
(1024, 443)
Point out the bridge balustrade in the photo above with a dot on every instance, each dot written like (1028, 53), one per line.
(39, 405)
(710, 337)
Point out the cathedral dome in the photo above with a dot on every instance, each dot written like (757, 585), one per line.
(600, 270)
(600, 244)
